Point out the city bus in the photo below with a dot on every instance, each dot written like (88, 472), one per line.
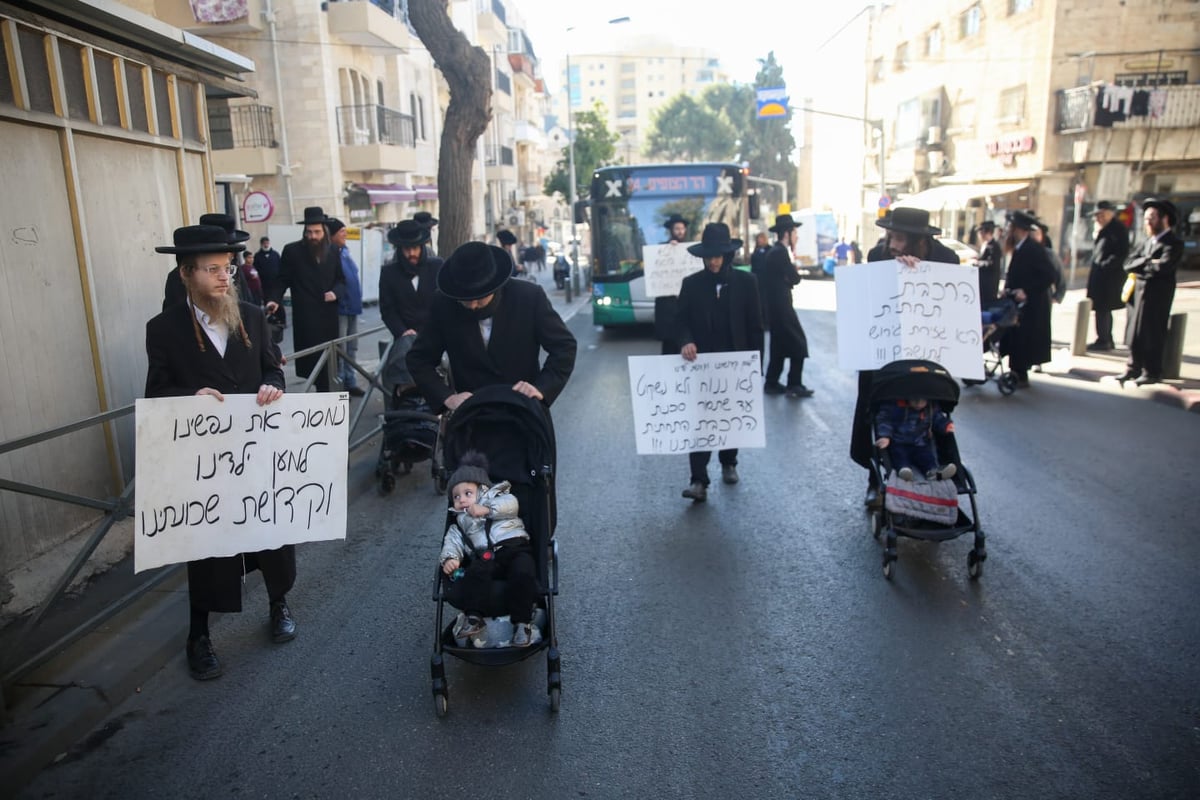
(629, 205)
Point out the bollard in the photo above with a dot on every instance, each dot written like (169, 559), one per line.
(1083, 314)
(1173, 346)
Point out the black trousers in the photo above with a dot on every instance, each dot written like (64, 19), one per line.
(1104, 326)
(699, 463)
(476, 591)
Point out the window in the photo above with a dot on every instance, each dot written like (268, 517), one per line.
(1017, 6)
(628, 83)
(933, 41)
(627, 67)
(37, 71)
(901, 62)
(915, 117)
(970, 21)
(137, 98)
(877, 70)
(628, 100)
(1011, 108)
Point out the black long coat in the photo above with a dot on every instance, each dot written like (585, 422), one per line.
(1028, 343)
(1106, 277)
(178, 368)
(523, 325)
(697, 306)
(400, 305)
(314, 319)
(990, 262)
(1154, 266)
(775, 287)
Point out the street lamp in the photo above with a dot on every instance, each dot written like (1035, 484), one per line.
(574, 284)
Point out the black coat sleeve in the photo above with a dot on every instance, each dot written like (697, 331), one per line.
(423, 360)
(560, 346)
(389, 301)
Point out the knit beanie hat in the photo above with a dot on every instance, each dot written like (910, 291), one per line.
(472, 468)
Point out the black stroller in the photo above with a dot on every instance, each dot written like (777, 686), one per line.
(410, 428)
(901, 380)
(997, 318)
(516, 434)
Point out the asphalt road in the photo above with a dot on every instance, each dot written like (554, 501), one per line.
(748, 647)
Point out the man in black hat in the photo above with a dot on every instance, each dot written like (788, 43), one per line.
(312, 269)
(508, 243)
(266, 261)
(428, 222)
(908, 238)
(493, 330)
(990, 261)
(665, 307)
(1106, 276)
(174, 291)
(211, 344)
(778, 278)
(408, 282)
(718, 312)
(1153, 268)
(1030, 276)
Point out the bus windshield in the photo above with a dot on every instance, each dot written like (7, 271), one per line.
(630, 205)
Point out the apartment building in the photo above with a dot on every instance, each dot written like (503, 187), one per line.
(633, 81)
(990, 105)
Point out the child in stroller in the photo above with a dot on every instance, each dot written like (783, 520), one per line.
(999, 315)
(487, 542)
(905, 428)
(410, 428)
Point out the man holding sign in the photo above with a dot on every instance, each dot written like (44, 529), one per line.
(718, 312)
(213, 345)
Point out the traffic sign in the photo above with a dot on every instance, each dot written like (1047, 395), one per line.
(884, 201)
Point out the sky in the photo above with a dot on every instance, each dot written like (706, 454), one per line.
(794, 29)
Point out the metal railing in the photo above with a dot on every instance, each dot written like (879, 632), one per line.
(1167, 107)
(14, 664)
(375, 124)
(241, 126)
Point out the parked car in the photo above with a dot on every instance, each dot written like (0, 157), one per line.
(966, 254)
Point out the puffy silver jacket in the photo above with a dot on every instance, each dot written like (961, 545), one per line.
(506, 524)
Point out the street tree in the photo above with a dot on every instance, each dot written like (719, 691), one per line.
(595, 146)
(685, 130)
(467, 71)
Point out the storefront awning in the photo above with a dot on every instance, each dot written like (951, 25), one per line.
(388, 192)
(957, 195)
(426, 192)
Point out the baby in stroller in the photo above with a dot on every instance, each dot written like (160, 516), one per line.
(486, 543)
(905, 429)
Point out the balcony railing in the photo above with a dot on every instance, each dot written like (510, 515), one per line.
(1110, 106)
(231, 127)
(375, 124)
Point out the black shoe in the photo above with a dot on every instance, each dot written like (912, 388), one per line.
(872, 501)
(1130, 375)
(354, 391)
(799, 390)
(283, 627)
(773, 387)
(697, 492)
(729, 474)
(202, 660)
(1146, 380)
(1100, 347)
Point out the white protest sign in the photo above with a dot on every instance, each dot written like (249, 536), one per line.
(666, 265)
(887, 312)
(221, 478)
(712, 403)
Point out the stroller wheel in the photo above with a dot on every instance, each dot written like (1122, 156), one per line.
(387, 482)
(974, 565)
(555, 698)
(876, 523)
(405, 468)
(441, 704)
(1007, 383)
(887, 568)
(439, 484)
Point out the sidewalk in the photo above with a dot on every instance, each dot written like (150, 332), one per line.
(58, 703)
(1183, 392)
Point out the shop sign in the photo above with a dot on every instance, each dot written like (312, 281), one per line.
(257, 207)
(1008, 148)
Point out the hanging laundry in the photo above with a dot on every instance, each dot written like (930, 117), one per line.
(213, 11)
(1140, 105)
(1158, 103)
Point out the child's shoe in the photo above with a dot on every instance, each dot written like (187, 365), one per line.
(942, 473)
(905, 473)
(469, 625)
(522, 634)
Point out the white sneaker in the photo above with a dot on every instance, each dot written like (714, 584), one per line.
(522, 634)
(905, 473)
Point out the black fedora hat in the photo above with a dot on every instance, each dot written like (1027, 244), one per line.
(715, 241)
(314, 215)
(1103, 205)
(506, 237)
(987, 225)
(425, 219)
(227, 223)
(1165, 207)
(784, 222)
(196, 239)
(671, 220)
(410, 233)
(909, 220)
(473, 271)
(1025, 220)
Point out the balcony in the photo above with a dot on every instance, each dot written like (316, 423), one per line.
(525, 132)
(179, 13)
(1084, 108)
(378, 24)
(531, 185)
(492, 22)
(243, 139)
(375, 138)
(500, 164)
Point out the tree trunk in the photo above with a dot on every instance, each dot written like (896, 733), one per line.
(467, 70)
